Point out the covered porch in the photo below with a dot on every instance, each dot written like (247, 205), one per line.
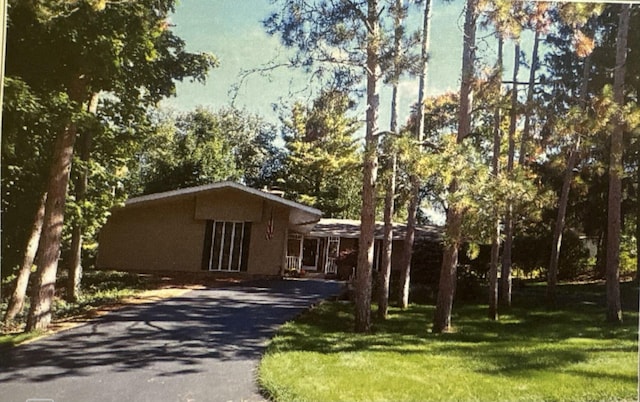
(310, 253)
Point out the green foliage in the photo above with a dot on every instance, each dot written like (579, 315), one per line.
(57, 50)
(29, 126)
(322, 163)
(531, 354)
(99, 288)
(532, 251)
(202, 147)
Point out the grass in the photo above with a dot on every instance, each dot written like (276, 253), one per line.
(99, 289)
(531, 354)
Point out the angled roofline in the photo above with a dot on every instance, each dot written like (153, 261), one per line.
(349, 228)
(220, 185)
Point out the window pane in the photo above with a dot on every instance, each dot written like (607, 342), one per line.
(226, 246)
(237, 246)
(215, 246)
(246, 239)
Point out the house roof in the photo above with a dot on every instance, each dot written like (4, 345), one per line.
(348, 228)
(301, 216)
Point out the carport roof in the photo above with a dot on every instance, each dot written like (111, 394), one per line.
(302, 217)
(348, 228)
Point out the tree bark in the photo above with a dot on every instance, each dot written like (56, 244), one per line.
(614, 307)
(367, 216)
(522, 158)
(16, 302)
(448, 271)
(49, 251)
(505, 277)
(638, 221)
(387, 240)
(552, 280)
(424, 61)
(414, 201)
(495, 170)
(407, 249)
(75, 263)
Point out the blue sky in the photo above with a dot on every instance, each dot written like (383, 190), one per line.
(232, 30)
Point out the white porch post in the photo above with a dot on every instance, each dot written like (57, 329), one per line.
(285, 252)
(300, 253)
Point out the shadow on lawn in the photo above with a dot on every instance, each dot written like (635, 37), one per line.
(529, 337)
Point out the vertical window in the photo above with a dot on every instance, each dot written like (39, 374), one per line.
(227, 246)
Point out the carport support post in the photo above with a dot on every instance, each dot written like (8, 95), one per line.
(285, 250)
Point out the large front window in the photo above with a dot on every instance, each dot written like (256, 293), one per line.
(229, 244)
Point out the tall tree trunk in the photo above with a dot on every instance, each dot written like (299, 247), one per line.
(614, 308)
(387, 240)
(3, 51)
(75, 263)
(16, 302)
(526, 130)
(49, 251)
(448, 271)
(367, 216)
(415, 182)
(505, 277)
(638, 221)
(409, 238)
(495, 170)
(552, 280)
(424, 62)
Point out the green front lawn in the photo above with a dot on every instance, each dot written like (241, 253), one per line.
(531, 354)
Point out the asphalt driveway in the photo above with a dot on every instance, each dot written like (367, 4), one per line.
(201, 346)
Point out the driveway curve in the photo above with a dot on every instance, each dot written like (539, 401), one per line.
(202, 346)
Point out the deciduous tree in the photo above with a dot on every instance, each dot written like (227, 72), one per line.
(122, 43)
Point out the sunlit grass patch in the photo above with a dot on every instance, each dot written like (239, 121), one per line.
(531, 354)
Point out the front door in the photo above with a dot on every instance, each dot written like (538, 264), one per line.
(310, 249)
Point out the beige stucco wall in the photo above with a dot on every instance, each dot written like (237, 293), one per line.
(157, 236)
(169, 234)
(229, 205)
(266, 256)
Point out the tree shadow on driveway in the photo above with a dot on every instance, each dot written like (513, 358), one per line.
(177, 336)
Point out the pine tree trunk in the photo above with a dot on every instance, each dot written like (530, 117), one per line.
(505, 278)
(638, 222)
(414, 201)
(387, 240)
(407, 249)
(75, 263)
(495, 170)
(367, 216)
(552, 280)
(522, 158)
(448, 271)
(16, 302)
(49, 251)
(614, 308)
(424, 61)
